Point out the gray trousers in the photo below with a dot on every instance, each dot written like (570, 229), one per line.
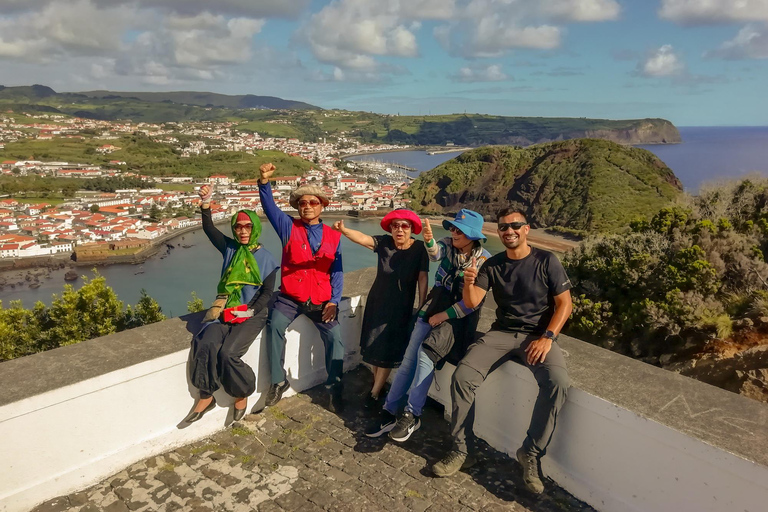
(487, 354)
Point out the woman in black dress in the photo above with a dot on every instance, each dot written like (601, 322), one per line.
(403, 263)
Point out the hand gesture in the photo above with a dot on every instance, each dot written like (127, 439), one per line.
(470, 273)
(438, 318)
(266, 171)
(329, 312)
(537, 351)
(205, 192)
(339, 226)
(427, 232)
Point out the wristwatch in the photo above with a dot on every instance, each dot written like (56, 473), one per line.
(550, 335)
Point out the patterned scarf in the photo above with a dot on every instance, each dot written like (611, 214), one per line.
(243, 269)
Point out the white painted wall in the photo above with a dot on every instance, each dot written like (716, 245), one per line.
(612, 458)
(70, 438)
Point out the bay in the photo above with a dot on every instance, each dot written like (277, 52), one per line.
(171, 280)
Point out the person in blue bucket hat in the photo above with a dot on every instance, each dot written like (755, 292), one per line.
(444, 327)
(468, 222)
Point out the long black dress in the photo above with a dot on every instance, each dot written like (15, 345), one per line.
(389, 307)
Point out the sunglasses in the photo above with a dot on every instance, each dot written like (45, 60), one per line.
(243, 227)
(405, 226)
(454, 229)
(504, 226)
(312, 202)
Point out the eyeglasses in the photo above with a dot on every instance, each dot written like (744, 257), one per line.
(243, 227)
(454, 229)
(405, 226)
(312, 202)
(504, 226)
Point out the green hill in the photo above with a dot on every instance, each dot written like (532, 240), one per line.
(206, 99)
(583, 184)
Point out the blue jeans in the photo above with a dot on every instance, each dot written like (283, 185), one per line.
(414, 375)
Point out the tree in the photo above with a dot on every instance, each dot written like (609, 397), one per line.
(196, 304)
(147, 311)
(94, 208)
(155, 213)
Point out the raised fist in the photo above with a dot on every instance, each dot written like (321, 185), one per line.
(427, 231)
(266, 171)
(339, 226)
(205, 192)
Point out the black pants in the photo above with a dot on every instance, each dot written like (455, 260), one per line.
(216, 357)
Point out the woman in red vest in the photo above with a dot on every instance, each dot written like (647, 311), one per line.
(312, 281)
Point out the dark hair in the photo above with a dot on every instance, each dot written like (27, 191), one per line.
(509, 211)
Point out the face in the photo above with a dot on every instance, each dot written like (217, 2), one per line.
(513, 231)
(401, 230)
(309, 207)
(458, 238)
(243, 230)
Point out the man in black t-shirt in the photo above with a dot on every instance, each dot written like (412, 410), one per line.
(533, 298)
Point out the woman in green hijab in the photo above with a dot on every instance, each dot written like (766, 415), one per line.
(239, 313)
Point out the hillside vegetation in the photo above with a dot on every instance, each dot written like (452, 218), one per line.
(585, 185)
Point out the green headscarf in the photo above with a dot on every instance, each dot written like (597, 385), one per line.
(243, 269)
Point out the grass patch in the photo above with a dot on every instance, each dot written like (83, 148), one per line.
(246, 459)
(413, 494)
(241, 431)
(167, 467)
(277, 414)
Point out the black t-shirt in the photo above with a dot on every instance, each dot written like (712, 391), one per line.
(524, 289)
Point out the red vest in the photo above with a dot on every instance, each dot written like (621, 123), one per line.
(305, 275)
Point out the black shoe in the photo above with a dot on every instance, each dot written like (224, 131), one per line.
(406, 425)
(275, 393)
(239, 413)
(194, 416)
(385, 423)
(373, 403)
(335, 398)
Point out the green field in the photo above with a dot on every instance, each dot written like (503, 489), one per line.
(37, 200)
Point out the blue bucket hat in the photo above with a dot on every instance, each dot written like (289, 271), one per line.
(470, 223)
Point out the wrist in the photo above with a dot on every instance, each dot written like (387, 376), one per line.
(550, 335)
(205, 205)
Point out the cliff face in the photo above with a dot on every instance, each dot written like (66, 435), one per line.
(658, 131)
(585, 184)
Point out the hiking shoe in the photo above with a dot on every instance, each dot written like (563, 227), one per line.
(530, 465)
(385, 423)
(452, 463)
(275, 393)
(406, 425)
(335, 398)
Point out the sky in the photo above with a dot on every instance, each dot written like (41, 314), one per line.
(694, 62)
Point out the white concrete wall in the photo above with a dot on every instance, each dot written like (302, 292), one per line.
(67, 439)
(610, 457)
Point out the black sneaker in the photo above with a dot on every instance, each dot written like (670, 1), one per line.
(275, 393)
(385, 423)
(406, 425)
(336, 398)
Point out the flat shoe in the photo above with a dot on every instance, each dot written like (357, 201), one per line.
(239, 413)
(194, 416)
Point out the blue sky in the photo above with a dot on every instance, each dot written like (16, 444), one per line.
(694, 62)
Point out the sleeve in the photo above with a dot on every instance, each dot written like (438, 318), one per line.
(337, 277)
(261, 299)
(281, 222)
(557, 279)
(377, 240)
(424, 263)
(436, 250)
(483, 279)
(216, 237)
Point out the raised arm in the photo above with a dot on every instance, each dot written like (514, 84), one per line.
(435, 250)
(281, 222)
(216, 237)
(472, 294)
(358, 237)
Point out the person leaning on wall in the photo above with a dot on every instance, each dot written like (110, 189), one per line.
(239, 313)
(311, 284)
(402, 264)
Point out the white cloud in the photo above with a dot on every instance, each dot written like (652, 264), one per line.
(691, 12)
(663, 62)
(750, 43)
(582, 10)
(491, 73)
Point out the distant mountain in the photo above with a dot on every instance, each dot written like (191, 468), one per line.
(583, 184)
(206, 99)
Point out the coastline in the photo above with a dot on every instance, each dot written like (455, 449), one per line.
(437, 149)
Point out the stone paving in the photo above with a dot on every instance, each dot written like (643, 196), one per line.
(298, 456)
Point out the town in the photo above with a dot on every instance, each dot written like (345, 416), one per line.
(131, 219)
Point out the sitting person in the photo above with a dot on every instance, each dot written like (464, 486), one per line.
(402, 264)
(247, 279)
(445, 324)
(312, 281)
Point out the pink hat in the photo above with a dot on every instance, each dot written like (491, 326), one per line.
(405, 215)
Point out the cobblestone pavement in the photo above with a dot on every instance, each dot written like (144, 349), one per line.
(297, 456)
